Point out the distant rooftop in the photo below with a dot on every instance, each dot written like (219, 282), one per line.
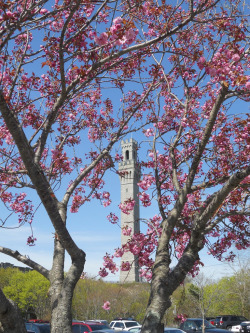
(8, 265)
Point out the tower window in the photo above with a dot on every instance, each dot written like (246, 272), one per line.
(127, 155)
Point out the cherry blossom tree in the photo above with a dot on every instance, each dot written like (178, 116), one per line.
(197, 168)
(173, 67)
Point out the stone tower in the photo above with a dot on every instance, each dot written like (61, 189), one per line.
(130, 189)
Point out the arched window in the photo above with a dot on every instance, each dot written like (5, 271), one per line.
(127, 155)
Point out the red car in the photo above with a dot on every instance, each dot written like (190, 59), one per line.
(82, 327)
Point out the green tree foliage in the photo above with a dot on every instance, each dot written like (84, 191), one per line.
(29, 290)
(5, 276)
(229, 295)
(234, 294)
(127, 300)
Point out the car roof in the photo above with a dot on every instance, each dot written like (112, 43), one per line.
(195, 319)
(127, 320)
(172, 328)
(109, 331)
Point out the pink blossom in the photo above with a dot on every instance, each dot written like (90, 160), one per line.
(102, 39)
(149, 132)
(110, 264)
(147, 274)
(130, 36)
(146, 182)
(127, 206)
(9, 14)
(248, 85)
(135, 249)
(117, 20)
(145, 199)
(119, 253)
(106, 203)
(235, 57)
(126, 231)
(43, 11)
(112, 218)
(31, 241)
(114, 29)
(212, 71)
(151, 32)
(102, 272)
(125, 266)
(201, 62)
(106, 306)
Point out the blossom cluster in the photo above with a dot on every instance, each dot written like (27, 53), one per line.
(120, 33)
(127, 206)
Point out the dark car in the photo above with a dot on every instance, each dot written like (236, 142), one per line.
(82, 327)
(108, 331)
(245, 327)
(227, 321)
(37, 327)
(192, 325)
(172, 330)
(211, 320)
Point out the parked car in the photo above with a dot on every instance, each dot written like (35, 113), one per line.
(121, 324)
(166, 330)
(90, 326)
(192, 325)
(134, 329)
(245, 327)
(227, 321)
(98, 321)
(236, 328)
(109, 331)
(211, 320)
(39, 321)
(38, 327)
(97, 324)
(172, 330)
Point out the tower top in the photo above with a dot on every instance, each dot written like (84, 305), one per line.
(129, 153)
(131, 140)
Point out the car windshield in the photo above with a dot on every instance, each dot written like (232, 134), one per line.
(38, 328)
(199, 323)
(44, 329)
(96, 327)
(242, 318)
(131, 324)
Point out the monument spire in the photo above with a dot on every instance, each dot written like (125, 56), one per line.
(129, 190)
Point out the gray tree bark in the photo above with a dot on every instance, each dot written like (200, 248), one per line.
(11, 320)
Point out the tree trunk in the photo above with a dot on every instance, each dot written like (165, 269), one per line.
(61, 289)
(61, 320)
(164, 283)
(11, 320)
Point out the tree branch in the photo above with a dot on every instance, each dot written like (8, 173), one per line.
(25, 260)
